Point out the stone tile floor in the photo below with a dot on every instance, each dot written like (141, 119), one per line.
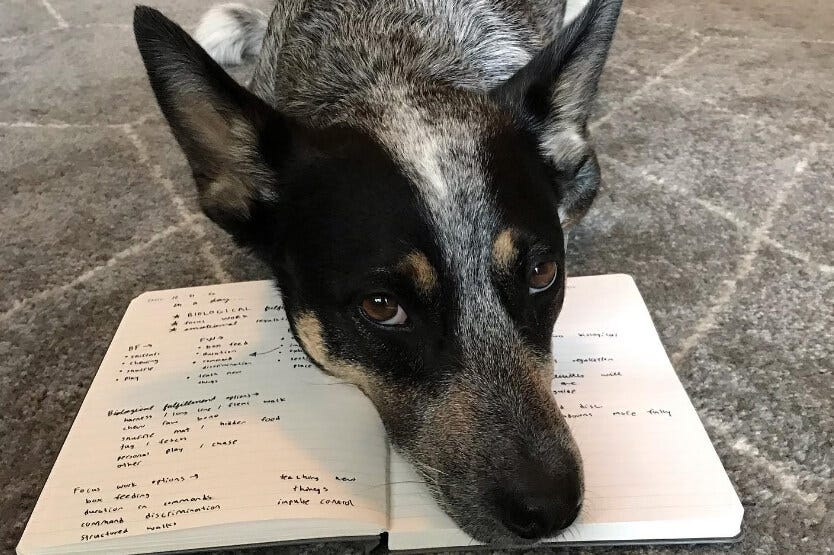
(716, 132)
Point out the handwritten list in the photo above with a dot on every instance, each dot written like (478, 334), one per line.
(206, 412)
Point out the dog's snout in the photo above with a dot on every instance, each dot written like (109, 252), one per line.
(538, 502)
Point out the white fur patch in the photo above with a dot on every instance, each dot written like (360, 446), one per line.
(563, 146)
(418, 149)
(229, 32)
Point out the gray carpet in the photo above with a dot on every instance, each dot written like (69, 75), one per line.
(715, 129)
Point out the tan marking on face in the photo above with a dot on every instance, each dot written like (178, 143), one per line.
(418, 268)
(546, 369)
(308, 328)
(538, 365)
(504, 251)
(454, 412)
(459, 408)
(535, 373)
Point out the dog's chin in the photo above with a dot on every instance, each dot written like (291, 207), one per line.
(482, 527)
(475, 518)
(495, 537)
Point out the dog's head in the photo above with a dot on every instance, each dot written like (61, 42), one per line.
(419, 248)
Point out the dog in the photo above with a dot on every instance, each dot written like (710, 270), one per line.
(409, 170)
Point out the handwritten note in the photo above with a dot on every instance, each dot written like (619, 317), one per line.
(206, 412)
(650, 469)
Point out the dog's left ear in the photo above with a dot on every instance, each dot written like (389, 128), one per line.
(552, 96)
(235, 143)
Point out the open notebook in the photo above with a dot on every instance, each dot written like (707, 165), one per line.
(206, 426)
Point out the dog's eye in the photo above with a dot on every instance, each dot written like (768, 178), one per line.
(542, 276)
(384, 310)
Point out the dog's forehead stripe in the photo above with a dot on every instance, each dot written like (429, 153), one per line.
(416, 147)
(420, 141)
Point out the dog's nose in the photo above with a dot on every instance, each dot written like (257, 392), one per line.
(536, 502)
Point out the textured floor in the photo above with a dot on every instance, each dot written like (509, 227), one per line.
(716, 129)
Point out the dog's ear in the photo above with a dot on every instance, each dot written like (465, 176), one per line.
(232, 139)
(552, 96)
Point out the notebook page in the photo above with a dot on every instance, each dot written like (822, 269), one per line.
(651, 471)
(204, 412)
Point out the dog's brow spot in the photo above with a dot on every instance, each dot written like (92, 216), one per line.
(417, 267)
(504, 251)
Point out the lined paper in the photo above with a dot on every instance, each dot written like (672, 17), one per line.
(206, 412)
(651, 472)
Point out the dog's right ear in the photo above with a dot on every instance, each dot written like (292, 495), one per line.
(233, 140)
(553, 94)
